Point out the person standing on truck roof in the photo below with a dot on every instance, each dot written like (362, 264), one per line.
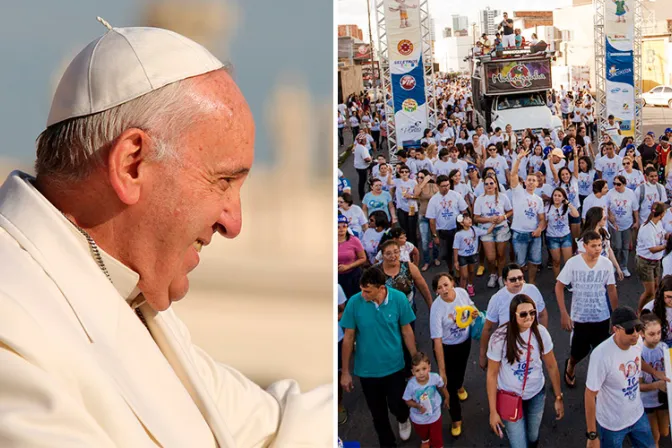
(508, 38)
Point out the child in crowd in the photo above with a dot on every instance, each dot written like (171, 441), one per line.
(408, 250)
(653, 392)
(465, 250)
(422, 396)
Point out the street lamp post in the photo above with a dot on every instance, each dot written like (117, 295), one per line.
(373, 71)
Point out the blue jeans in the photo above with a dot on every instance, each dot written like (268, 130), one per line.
(526, 247)
(640, 435)
(426, 238)
(526, 430)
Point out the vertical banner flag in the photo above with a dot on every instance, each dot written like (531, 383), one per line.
(620, 88)
(404, 44)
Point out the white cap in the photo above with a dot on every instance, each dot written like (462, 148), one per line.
(124, 64)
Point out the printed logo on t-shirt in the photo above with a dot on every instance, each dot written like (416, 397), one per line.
(455, 331)
(620, 210)
(519, 371)
(469, 247)
(531, 210)
(492, 209)
(446, 208)
(375, 204)
(631, 372)
(610, 169)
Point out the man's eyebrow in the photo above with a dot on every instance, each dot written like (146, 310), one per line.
(232, 172)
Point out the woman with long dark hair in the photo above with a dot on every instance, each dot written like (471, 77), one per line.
(558, 231)
(516, 354)
(651, 243)
(661, 306)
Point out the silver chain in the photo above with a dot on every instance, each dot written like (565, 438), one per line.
(101, 264)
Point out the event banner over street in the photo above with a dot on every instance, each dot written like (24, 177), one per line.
(404, 43)
(620, 87)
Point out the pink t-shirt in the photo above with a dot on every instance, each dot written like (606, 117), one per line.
(347, 250)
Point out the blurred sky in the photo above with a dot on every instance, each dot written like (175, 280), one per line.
(274, 43)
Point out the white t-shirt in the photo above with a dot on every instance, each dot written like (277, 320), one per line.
(655, 357)
(354, 121)
(400, 188)
(370, 241)
(586, 182)
(356, 219)
(651, 235)
(466, 241)
(557, 223)
(666, 338)
(442, 319)
(589, 298)
(652, 193)
(498, 306)
(622, 206)
(546, 189)
(361, 153)
(458, 165)
(500, 165)
(572, 190)
(667, 221)
(535, 162)
(427, 395)
(341, 300)
(614, 373)
(444, 209)
(405, 252)
(489, 206)
(557, 166)
(593, 201)
(609, 168)
(528, 209)
(442, 168)
(510, 377)
(633, 179)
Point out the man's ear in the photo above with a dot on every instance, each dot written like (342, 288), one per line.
(127, 164)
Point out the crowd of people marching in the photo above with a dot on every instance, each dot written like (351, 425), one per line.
(468, 200)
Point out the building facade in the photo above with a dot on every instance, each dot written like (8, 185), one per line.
(488, 18)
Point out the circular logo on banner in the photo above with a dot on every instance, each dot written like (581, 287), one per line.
(407, 82)
(520, 75)
(405, 47)
(409, 105)
(363, 49)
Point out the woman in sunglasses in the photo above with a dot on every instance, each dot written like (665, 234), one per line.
(633, 177)
(499, 163)
(516, 354)
(424, 191)
(623, 210)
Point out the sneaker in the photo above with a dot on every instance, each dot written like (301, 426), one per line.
(480, 271)
(501, 282)
(463, 395)
(626, 273)
(405, 430)
(470, 290)
(492, 281)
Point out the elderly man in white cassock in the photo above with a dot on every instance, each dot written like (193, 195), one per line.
(148, 143)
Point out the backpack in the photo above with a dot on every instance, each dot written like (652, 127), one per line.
(659, 188)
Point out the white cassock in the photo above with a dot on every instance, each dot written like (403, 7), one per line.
(79, 369)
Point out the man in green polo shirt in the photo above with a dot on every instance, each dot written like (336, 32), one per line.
(378, 318)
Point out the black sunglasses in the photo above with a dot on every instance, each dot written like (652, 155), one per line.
(516, 279)
(617, 184)
(531, 313)
(630, 331)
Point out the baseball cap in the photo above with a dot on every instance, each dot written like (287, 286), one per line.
(342, 219)
(625, 317)
(471, 167)
(558, 152)
(124, 64)
(629, 146)
(651, 133)
(667, 130)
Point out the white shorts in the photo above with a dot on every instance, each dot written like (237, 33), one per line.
(509, 41)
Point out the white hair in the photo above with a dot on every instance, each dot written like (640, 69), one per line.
(71, 150)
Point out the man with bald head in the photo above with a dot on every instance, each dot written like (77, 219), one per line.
(148, 143)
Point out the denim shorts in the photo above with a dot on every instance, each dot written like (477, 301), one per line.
(559, 242)
(526, 247)
(466, 261)
(499, 234)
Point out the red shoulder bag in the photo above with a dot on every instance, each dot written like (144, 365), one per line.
(510, 404)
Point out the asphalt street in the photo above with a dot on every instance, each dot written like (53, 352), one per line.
(568, 432)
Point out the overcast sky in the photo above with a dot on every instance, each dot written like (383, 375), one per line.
(292, 39)
(354, 11)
